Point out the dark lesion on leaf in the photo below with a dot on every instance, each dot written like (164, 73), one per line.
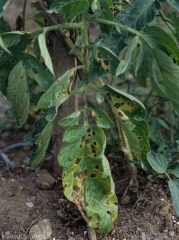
(108, 212)
(93, 132)
(120, 114)
(93, 175)
(87, 141)
(35, 71)
(97, 166)
(76, 188)
(83, 138)
(78, 160)
(88, 130)
(99, 55)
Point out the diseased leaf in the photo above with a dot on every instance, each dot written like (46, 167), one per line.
(42, 135)
(8, 61)
(70, 120)
(158, 162)
(173, 185)
(102, 119)
(44, 52)
(87, 178)
(36, 71)
(103, 62)
(130, 113)
(58, 92)
(18, 93)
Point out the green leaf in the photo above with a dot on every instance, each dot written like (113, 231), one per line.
(102, 119)
(130, 57)
(44, 52)
(42, 135)
(70, 120)
(175, 22)
(11, 38)
(3, 46)
(103, 9)
(18, 93)
(138, 13)
(87, 178)
(158, 162)
(37, 71)
(176, 171)
(170, 76)
(3, 5)
(174, 190)
(8, 61)
(158, 38)
(103, 62)
(174, 4)
(4, 26)
(69, 9)
(58, 92)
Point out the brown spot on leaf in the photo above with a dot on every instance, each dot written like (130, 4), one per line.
(108, 212)
(35, 70)
(99, 55)
(97, 166)
(87, 141)
(120, 114)
(88, 130)
(94, 143)
(106, 62)
(117, 105)
(78, 160)
(93, 132)
(93, 175)
(83, 138)
(76, 188)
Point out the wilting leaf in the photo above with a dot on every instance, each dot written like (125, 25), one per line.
(158, 162)
(87, 179)
(18, 93)
(42, 135)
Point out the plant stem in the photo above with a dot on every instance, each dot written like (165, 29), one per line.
(24, 14)
(57, 27)
(167, 21)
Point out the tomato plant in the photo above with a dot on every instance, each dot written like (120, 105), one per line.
(129, 41)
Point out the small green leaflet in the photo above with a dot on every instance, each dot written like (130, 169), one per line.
(36, 71)
(18, 93)
(174, 4)
(42, 135)
(3, 5)
(103, 9)
(176, 171)
(4, 26)
(87, 178)
(158, 162)
(130, 57)
(69, 9)
(70, 120)
(174, 190)
(44, 51)
(102, 119)
(138, 13)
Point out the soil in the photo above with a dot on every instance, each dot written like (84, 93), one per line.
(29, 196)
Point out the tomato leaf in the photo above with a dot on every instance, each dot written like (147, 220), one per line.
(87, 178)
(18, 93)
(158, 162)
